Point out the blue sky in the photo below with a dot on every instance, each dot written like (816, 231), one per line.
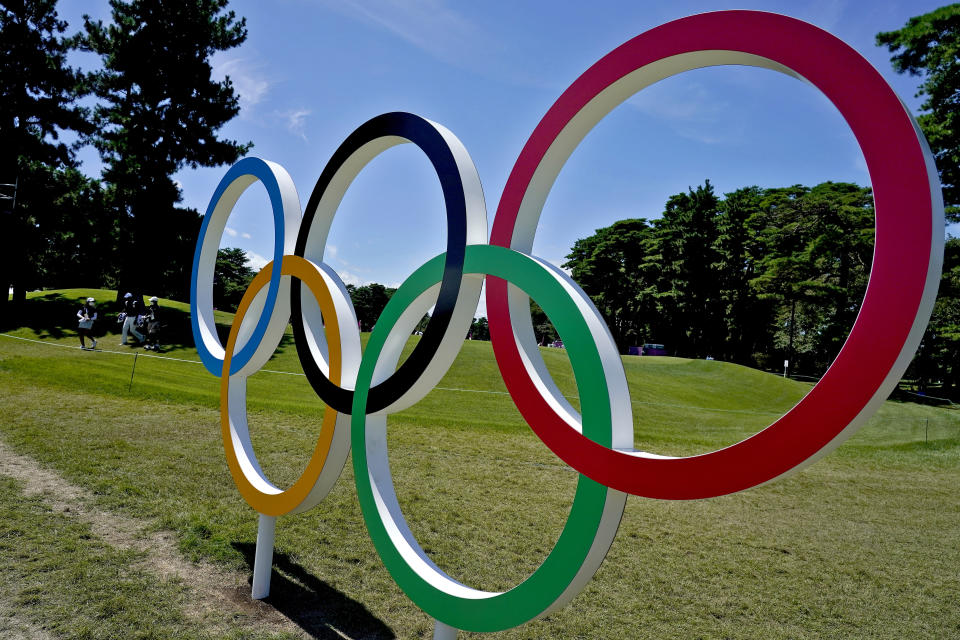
(311, 71)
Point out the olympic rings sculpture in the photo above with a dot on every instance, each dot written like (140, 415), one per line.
(361, 389)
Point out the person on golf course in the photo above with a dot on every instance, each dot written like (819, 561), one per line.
(131, 308)
(153, 325)
(86, 317)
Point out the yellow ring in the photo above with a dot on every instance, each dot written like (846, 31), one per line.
(277, 504)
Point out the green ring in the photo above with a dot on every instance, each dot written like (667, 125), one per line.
(545, 585)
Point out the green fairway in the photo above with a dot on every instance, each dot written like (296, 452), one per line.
(864, 543)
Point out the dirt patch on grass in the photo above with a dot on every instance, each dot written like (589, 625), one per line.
(221, 598)
(14, 628)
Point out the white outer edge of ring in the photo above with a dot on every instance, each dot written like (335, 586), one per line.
(542, 182)
(381, 480)
(378, 463)
(924, 309)
(208, 259)
(584, 121)
(237, 391)
(468, 296)
(350, 346)
(621, 421)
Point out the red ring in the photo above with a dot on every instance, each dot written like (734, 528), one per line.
(896, 294)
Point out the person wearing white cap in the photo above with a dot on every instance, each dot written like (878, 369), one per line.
(153, 325)
(86, 316)
(131, 309)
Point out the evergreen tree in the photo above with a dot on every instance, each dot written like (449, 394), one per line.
(72, 231)
(687, 291)
(160, 111)
(938, 359)
(368, 302)
(613, 268)
(543, 329)
(231, 277)
(39, 92)
(746, 319)
(813, 264)
(479, 329)
(763, 275)
(929, 46)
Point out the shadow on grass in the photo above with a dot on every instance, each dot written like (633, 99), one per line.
(54, 315)
(312, 604)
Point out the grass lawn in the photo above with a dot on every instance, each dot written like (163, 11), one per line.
(864, 543)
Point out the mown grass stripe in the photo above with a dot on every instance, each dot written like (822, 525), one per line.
(862, 544)
(295, 373)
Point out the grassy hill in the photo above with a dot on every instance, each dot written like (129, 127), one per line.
(862, 544)
(680, 406)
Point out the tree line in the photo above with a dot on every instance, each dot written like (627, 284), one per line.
(750, 277)
(758, 277)
(754, 276)
(150, 109)
(764, 275)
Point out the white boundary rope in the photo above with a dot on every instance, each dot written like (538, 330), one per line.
(126, 353)
(294, 373)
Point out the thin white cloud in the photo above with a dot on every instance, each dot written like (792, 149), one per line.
(233, 233)
(332, 254)
(558, 263)
(350, 278)
(860, 163)
(249, 81)
(255, 260)
(691, 110)
(443, 33)
(428, 25)
(712, 136)
(826, 14)
(296, 122)
(677, 101)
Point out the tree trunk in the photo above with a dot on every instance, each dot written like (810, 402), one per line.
(6, 263)
(19, 297)
(9, 245)
(4, 299)
(793, 316)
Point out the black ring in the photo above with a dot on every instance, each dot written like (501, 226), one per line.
(423, 134)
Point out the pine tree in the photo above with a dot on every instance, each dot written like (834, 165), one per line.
(762, 275)
(231, 277)
(39, 94)
(369, 301)
(938, 359)
(812, 263)
(71, 240)
(745, 318)
(929, 46)
(687, 290)
(613, 268)
(160, 111)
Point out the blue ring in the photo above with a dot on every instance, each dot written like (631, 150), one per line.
(260, 170)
